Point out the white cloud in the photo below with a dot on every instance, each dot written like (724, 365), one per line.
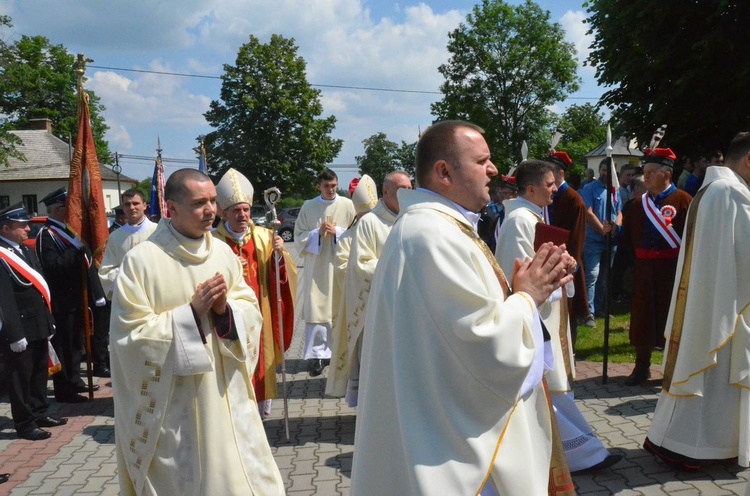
(575, 32)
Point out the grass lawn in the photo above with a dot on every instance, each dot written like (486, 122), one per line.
(590, 341)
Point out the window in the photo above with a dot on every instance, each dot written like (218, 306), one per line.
(29, 201)
(4, 201)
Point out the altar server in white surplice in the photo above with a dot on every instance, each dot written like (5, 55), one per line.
(184, 343)
(451, 400)
(135, 230)
(536, 188)
(364, 194)
(320, 223)
(368, 240)
(703, 412)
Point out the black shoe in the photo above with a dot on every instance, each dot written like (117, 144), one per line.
(35, 434)
(606, 463)
(638, 376)
(51, 422)
(4, 478)
(102, 371)
(326, 362)
(73, 398)
(315, 367)
(85, 389)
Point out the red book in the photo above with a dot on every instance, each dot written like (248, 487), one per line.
(545, 233)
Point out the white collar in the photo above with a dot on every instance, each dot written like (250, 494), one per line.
(472, 217)
(12, 244)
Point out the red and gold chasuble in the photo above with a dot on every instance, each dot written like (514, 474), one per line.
(259, 270)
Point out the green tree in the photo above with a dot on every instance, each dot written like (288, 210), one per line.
(684, 64)
(584, 128)
(268, 123)
(379, 158)
(8, 141)
(405, 157)
(37, 80)
(507, 64)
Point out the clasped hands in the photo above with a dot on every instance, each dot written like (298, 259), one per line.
(210, 295)
(327, 228)
(551, 268)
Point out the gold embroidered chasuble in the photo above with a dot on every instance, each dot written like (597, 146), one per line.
(185, 413)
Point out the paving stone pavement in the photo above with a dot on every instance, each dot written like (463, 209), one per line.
(79, 458)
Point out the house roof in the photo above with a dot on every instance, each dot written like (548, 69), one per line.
(620, 147)
(47, 157)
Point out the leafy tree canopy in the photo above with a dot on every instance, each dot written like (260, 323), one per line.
(37, 80)
(583, 128)
(507, 64)
(383, 156)
(268, 123)
(684, 64)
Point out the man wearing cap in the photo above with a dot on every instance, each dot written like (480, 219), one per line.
(537, 186)
(364, 195)
(569, 212)
(25, 325)
(368, 240)
(507, 190)
(255, 246)
(320, 223)
(653, 230)
(704, 408)
(63, 256)
(184, 344)
(120, 219)
(135, 229)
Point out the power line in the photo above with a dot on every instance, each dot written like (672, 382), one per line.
(163, 159)
(336, 86)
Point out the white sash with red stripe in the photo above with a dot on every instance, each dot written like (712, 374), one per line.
(21, 267)
(660, 223)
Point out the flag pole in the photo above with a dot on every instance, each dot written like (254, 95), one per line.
(607, 256)
(80, 68)
(272, 196)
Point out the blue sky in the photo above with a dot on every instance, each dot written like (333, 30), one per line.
(366, 43)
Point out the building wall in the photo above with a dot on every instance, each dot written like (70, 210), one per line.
(31, 192)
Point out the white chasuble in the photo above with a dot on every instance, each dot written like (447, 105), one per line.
(185, 413)
(516, 240)
(317, 254)
(337, 378)
(369, 238)
(444, 361)
(705, 412)
(120, 242)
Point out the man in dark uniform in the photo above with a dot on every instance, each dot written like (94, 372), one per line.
(25, 324)
(652, 228)
(62, 257)
(120, 219)
(568, 211)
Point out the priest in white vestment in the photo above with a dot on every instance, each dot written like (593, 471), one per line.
(364, 195)
(184, 335)
(368, 240)
(135, 230)
(451, 400)
(536, 187)
(320, 223)
(703, 412)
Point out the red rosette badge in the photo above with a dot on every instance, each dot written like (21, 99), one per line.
(668, 212)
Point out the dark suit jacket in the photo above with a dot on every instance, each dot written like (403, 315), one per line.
(62, 271)
(24, 312)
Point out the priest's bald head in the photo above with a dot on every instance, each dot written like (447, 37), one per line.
(738, 155)
(453, 160)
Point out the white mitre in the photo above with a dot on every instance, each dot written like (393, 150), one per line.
(365, 195)
(233, 188)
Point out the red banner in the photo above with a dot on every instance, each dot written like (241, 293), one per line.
(86, 214)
